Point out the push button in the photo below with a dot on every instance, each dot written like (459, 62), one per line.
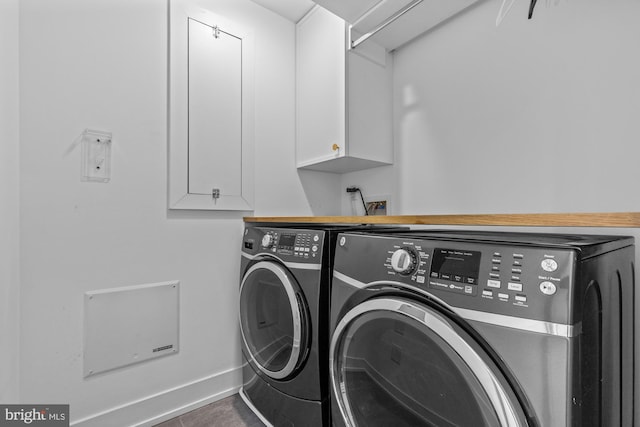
(549, 265)
(514, 287)
(548, 288)
(493, 283)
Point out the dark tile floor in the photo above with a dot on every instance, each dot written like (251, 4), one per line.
(229, 412)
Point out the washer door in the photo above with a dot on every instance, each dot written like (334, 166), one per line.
(273, 319)
(397, 362)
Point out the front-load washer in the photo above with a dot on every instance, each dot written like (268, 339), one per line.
(285, 280)
(473, 329)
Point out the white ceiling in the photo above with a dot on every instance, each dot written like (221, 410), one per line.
(293, 10)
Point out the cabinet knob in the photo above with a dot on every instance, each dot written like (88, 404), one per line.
(335, 147)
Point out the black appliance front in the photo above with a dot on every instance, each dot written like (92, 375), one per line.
(496, 330)
(285, 282)
(281, 291)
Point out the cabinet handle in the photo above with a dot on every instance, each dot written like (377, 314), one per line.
(335, 147)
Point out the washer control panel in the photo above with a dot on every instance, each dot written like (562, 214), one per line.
(522, 281)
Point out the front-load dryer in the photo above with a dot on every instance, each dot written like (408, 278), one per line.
(285, 281)
(478, 329)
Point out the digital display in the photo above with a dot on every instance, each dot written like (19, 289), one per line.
(456, 265)
(287, 240)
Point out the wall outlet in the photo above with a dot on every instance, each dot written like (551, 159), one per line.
(377, 207)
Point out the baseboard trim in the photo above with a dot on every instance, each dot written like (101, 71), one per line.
(152, 410)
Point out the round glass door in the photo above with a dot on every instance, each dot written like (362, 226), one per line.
(395, 362)
(273, 320)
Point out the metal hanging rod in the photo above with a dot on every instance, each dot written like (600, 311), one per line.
(381, 26)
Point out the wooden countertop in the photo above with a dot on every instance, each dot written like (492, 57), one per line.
(604, 219)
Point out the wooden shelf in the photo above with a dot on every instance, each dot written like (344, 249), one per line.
(611, 219)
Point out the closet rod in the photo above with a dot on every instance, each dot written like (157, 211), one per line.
(380, 27)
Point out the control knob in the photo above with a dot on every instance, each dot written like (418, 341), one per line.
(404, 261)
(267, 240)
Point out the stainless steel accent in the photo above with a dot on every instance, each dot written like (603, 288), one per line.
(383, 24)
(349, 280)
(529, 325)
(291, 265)
(502, 405)
(295, 311)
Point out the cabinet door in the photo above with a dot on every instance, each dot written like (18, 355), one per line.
(320, 84)
(210, 111)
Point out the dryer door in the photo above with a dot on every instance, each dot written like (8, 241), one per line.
(398, 362)
(273, 319)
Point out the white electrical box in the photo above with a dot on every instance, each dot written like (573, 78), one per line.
(96, 155)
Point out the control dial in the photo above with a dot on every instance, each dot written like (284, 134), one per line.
(267, 240)
(404, 261)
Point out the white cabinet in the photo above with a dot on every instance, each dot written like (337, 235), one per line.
(344, 98)
(392, 23)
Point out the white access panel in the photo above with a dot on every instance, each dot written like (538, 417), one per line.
(128, 325)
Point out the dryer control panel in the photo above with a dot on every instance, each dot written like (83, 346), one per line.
(289, 243)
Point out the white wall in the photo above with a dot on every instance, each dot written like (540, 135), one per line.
(531, 116)
(102, 65)
(9, 202)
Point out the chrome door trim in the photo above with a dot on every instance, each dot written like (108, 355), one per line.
(292, 265)
(253, 409)
(491, 385)
(512, 322)
(295, 310)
